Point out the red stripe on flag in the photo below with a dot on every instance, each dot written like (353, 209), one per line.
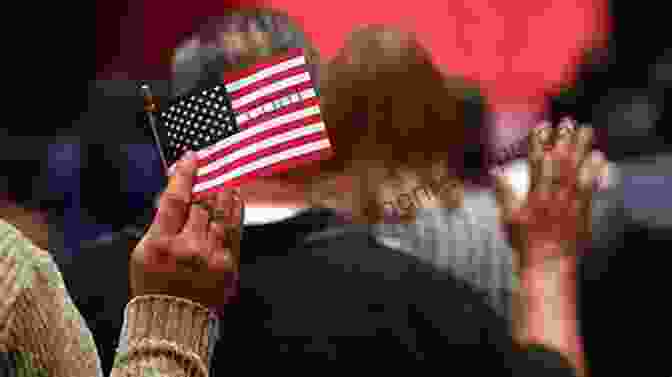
(277, 95)
(279, 167)
(314, 101)
(259, 137)
(230, 77)
(261, 154)
(234, 95)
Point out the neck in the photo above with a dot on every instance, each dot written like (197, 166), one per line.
(402, 198)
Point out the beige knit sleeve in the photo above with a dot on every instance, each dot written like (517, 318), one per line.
(165, 336)
(38, 320)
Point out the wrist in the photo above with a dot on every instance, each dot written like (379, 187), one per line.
(170, 326)
(553, 276)
(548, 299)
(540, 257)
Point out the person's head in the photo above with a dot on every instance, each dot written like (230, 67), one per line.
(235, 40)
(393, 118)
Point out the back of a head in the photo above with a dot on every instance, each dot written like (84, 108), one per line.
(384, 101)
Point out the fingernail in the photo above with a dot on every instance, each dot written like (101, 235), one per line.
(189, 156)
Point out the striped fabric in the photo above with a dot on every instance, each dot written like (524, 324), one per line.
(261, 120)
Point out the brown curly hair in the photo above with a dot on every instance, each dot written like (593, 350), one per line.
(385, 101)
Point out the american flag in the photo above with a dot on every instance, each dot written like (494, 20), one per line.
(261, 120)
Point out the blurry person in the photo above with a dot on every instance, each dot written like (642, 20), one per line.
(407, 135)
(219, 45)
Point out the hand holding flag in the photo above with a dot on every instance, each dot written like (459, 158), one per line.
(261, 120)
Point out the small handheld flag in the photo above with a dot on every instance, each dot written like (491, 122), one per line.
(261, 120)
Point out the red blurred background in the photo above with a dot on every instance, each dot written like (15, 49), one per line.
(517, 50)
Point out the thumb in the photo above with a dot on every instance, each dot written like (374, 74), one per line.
(505, 194)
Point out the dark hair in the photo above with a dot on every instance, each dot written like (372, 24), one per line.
(201, 58)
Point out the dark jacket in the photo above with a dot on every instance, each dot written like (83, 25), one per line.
(317, 290)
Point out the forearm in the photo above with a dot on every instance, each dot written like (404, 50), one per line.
(166, 336)
(547, 310)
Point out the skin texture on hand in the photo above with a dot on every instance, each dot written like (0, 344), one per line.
(192, 249)
(548, 229)
(557, 210)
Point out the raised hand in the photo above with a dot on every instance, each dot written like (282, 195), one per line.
(554, 218)
(192, 249)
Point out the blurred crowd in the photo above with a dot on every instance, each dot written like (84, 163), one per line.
(441, 231)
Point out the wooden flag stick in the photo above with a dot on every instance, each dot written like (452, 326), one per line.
(150, 109)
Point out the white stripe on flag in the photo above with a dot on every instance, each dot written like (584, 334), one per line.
(270, 89)
(264, 162)
(304, 95)
(261, 145)
(261, 127)
(265, 73)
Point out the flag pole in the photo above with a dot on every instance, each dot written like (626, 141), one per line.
(150, 109)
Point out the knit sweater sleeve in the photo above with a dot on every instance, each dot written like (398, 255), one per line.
(40, 326)
(165, 336)
(39, 323)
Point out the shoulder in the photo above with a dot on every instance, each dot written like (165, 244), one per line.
(23, 267)
(23, 260)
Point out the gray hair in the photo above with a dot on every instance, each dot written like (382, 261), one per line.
(233, 41)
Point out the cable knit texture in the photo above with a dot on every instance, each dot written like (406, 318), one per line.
(44, 334)
(172, 345)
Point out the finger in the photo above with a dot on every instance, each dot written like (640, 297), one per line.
(538, 139)
(547, 178)
(197, 223)
(155, 255)
(222, 261)
(590, 172)
(584, 143)
(565, 135)
(221, 221)
(174, 202)
(506, 196)
(226, 229)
